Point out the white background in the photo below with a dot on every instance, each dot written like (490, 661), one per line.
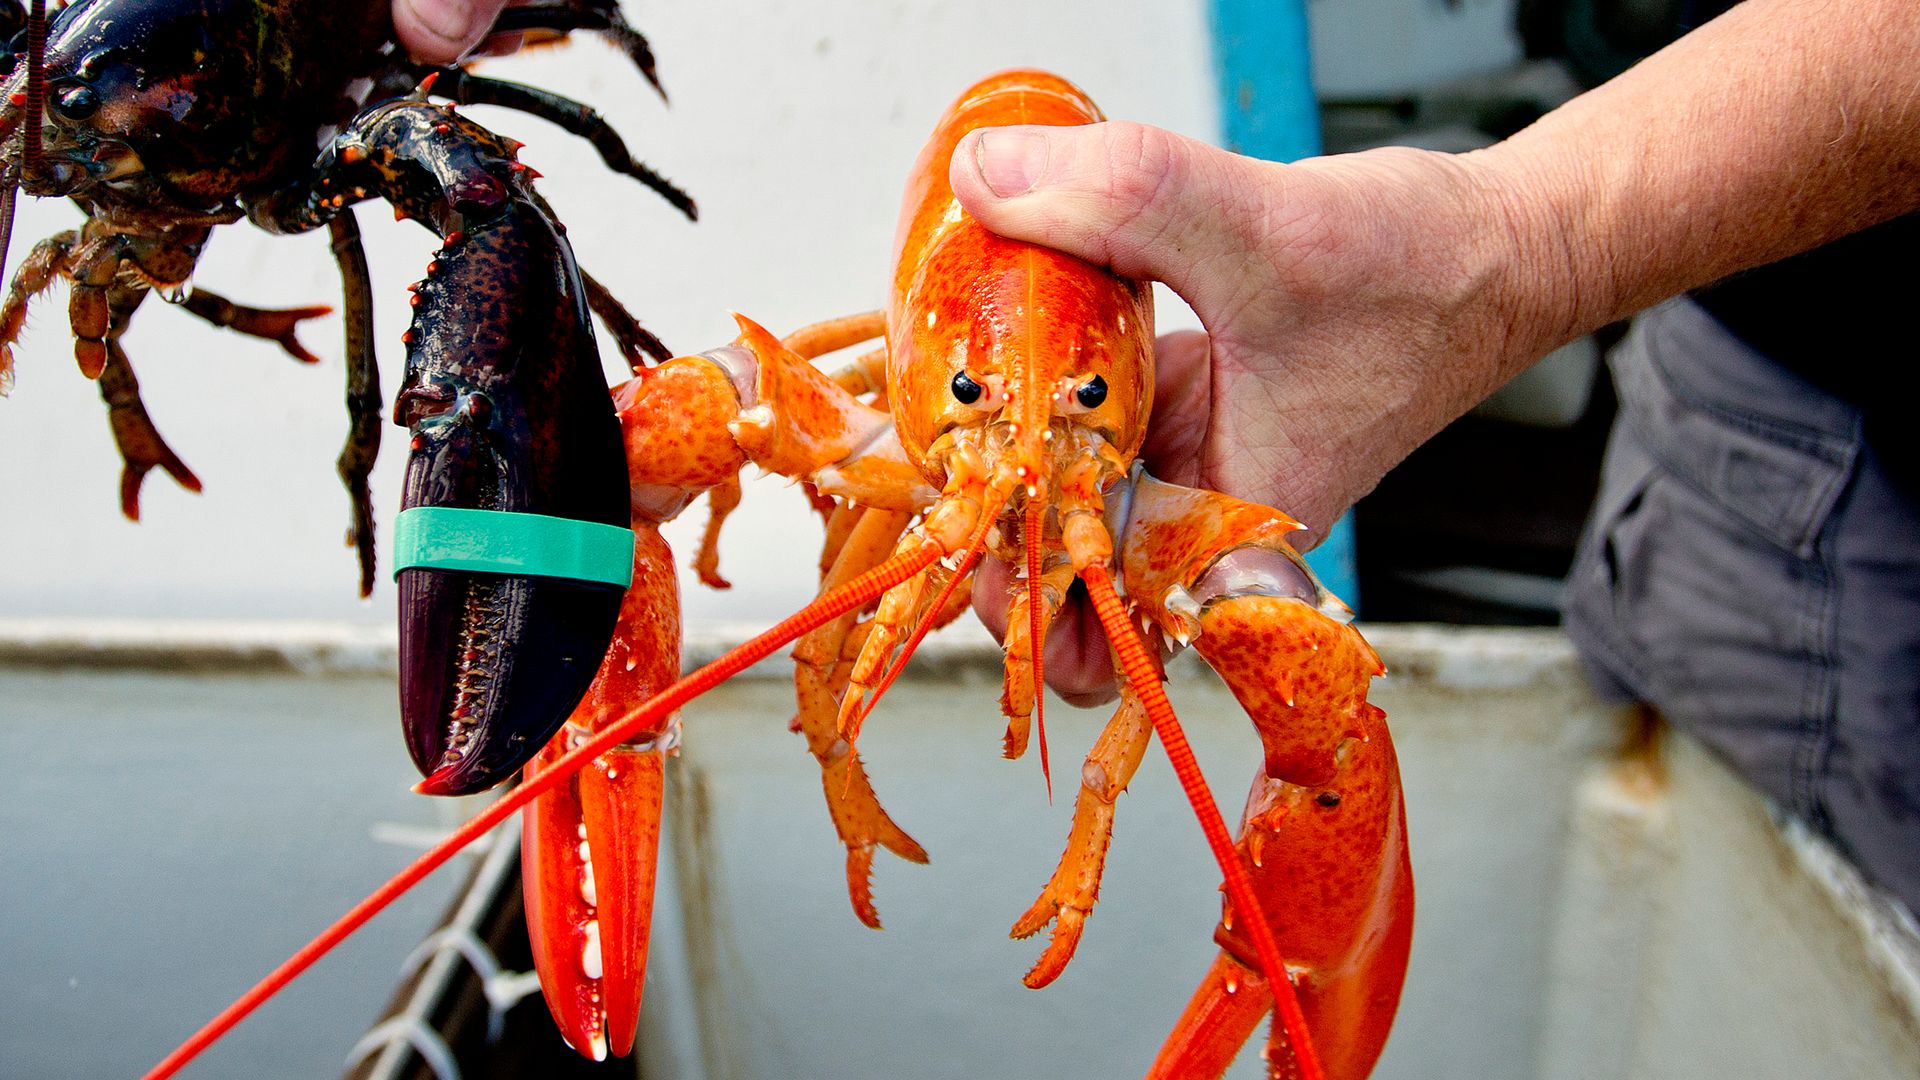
(792, 123)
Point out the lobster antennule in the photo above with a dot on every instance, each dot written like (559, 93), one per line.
(27, 120)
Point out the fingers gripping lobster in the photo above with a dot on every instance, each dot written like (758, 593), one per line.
(161, 119)
(1002, 415)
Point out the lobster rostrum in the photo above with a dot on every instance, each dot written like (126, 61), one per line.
(162, 119)
(1002, 414)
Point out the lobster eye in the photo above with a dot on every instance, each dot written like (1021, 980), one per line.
(965, 390)
(76, 102)
(1091, 393)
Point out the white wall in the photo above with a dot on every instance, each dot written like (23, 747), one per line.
(793, 124)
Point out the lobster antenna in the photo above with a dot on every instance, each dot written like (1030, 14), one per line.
(827, 607)
(1144, 676)
(9, 189)
(30, 105)
(1030, 534)
(35, 104)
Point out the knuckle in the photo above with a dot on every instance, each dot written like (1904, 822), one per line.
(1142, 163)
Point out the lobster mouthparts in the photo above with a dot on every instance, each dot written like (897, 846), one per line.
(508, 411)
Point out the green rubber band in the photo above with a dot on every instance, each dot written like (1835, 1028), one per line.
(502, 542)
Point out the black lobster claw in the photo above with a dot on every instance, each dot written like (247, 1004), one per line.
(492, 663)
(509, 415)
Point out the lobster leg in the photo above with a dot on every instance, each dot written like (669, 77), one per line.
(722, 500)
(362, 448)
(90, 264)
(1324, 833)
(636, 342)
(278, 325)
(815, 340)
(569, 115)
(47, 260)
(1068, 897)
(866, 374)
(820, 678)
(601, 16)
(101, 307)
(96, 261)
(141, 447)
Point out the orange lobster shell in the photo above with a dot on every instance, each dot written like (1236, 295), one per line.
(1002, 416)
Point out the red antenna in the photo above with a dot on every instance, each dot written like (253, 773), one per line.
(36, 85)
(30, 106)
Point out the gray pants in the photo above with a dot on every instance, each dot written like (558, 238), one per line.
(1750, 571)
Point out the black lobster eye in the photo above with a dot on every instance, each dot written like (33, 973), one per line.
(75, 102)
(965, 390)
(1092, 392)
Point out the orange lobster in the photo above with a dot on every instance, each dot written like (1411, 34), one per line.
(1003, 415)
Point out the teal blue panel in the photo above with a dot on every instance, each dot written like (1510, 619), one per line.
(1268, 110)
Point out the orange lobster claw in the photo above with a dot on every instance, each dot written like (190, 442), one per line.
(589, 847)
(1324, 834)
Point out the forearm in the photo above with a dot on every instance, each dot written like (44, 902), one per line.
(1780, 126)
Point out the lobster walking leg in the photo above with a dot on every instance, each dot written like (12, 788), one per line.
(820, 679)
(278, 325)
(141, 448)
(36, 273)
(570, 116)
(354, 465)
(636, 342)
(1068, 897)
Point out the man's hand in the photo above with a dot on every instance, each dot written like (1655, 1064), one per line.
(1358, 303)
(1337, 295)
(1350, 304)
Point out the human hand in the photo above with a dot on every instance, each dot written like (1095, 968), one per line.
(1353, 305)
(442, 31)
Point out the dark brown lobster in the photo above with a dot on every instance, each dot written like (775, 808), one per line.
(164, 118)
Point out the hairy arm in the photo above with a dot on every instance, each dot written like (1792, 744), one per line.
(1778, 127)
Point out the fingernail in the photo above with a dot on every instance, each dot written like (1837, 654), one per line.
(1010, 162)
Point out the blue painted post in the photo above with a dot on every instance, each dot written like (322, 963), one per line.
(1268, 110)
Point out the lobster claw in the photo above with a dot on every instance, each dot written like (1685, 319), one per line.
(491, 663)
(511, 421)
(590, 847)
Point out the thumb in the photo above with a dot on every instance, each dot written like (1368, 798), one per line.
(1142, 201)
(441, 31)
